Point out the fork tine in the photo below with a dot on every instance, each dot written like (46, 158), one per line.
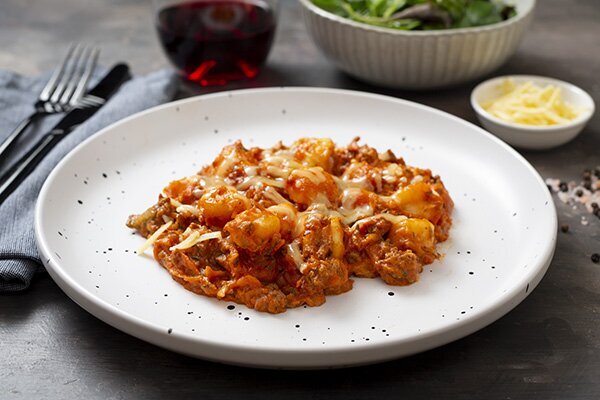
(78, 73)
(71, 66)
(51, 85)
(90, 98)
(89, 102)
(87, 73)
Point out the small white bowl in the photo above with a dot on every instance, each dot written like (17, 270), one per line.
(532, 137)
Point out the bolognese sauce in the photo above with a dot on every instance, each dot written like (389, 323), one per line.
(286, 226)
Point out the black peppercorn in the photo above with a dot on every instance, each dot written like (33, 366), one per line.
(579, 193)
(594, 206)
(587, 185)
(563, 187)
(564, 228)
(596, 258)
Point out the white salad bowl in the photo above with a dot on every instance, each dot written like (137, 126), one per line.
(533, 137)
(415, 59)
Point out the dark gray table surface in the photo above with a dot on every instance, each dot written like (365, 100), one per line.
(547, 348)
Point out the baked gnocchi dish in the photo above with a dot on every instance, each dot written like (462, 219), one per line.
(286, 226)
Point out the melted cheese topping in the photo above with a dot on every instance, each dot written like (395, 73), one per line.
(274, 196)
(529, 104)
(278, 172)
(349, 211)
(283, 159)
(227, 163)
(394, 219)
(284, 210)
(315, 174)
(256, 180)
(279, 165)
(208, 182)
(350, 196)
(350, 216)
(343, 184)
(337, 238)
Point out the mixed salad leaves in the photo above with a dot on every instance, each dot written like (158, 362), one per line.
(420, 14)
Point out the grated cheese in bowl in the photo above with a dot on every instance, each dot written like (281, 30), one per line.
(532, 112)
(530, 104)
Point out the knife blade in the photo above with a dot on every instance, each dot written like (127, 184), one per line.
(118, 75)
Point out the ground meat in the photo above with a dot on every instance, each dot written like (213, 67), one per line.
(394, 266)
(150, 220)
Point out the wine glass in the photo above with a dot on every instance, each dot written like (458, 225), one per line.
(213, 42)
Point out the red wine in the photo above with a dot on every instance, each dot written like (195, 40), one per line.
(215, 41)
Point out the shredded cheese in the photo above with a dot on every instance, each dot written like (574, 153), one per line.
(194, 238)
(188, 208)
(294, 251)
(180, 207)
(150, 241)
(529, 104)
(392, 172)
(416, 179)
(251, 170)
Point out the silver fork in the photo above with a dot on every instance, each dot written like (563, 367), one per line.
(64, 90)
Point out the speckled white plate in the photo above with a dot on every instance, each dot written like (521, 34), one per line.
(500, 246)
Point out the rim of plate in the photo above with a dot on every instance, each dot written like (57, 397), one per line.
(475, 321)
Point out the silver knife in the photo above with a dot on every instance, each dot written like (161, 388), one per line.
(23, 167)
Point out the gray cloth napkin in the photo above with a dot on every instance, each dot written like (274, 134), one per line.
(19, 260)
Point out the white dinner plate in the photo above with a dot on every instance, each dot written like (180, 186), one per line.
(500, 246)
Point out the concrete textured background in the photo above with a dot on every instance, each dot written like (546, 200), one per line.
(547, 348)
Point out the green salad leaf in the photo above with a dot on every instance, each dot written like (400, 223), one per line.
(420, 14)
